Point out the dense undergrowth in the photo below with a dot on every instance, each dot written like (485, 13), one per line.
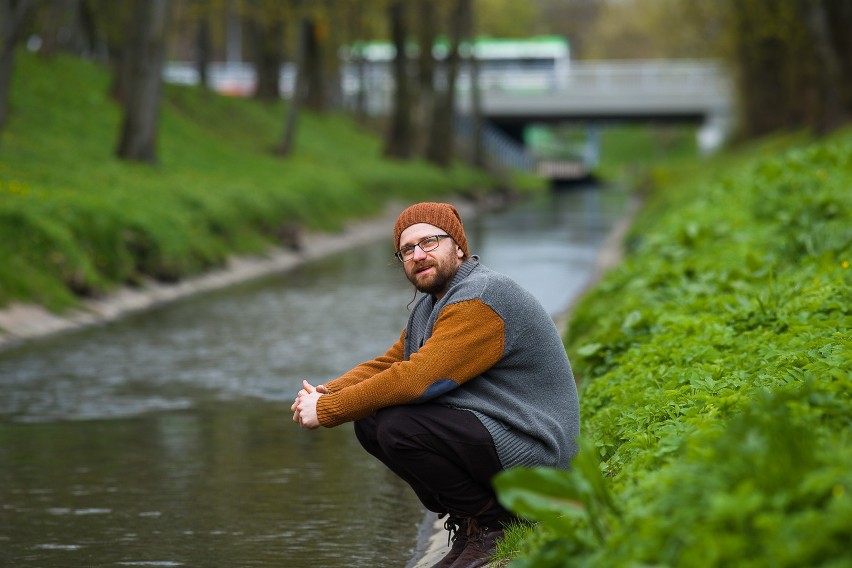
(75, 221)
(715, 367)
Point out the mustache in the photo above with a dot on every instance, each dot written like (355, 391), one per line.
(423, 264)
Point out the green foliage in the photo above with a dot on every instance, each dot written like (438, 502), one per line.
(716, 384)
(629, 149)
(76, 221)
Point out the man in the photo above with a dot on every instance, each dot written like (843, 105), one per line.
(478, 382)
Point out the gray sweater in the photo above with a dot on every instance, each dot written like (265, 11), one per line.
(528, 399)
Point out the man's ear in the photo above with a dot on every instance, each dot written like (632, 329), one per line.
(459, 252)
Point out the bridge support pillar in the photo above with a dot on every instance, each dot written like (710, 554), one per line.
(713, 133)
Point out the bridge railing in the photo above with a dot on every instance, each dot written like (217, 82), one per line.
(705, 80)
(647, 76)
(581, 78)
(502, 151)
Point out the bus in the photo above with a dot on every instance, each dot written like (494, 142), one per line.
(510, 64)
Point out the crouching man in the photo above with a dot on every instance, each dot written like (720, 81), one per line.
(478, 382)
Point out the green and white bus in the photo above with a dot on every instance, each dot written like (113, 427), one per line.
(533, 63)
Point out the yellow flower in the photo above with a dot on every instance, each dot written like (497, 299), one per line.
(845, 264)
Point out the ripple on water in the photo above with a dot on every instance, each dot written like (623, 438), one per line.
(54, 546)
(87, 511)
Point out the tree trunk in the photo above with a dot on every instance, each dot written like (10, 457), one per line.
(479, 159)
(840, 22)
(331, 38)
(64, 30)
(118, 47)
(399, 143)
(288, 138)
(268, 40)
(425, 69)
(830, 113)
(441, 150)
(12, 17)
(202, 52)
(89, 30)
(144, 57)
(314, 97)
(356, 33)
(762, 66)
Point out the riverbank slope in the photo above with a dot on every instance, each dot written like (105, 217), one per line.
(79, 228)
(20, 322)
(716, 388)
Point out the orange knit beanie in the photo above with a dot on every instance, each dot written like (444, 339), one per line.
(441, 215)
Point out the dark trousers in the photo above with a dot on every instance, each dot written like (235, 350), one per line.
(446, 455)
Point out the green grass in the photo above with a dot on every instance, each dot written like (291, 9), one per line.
(628, 151)
(76, 221)
(715, 367)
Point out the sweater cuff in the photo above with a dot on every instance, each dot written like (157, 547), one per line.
(329, 411)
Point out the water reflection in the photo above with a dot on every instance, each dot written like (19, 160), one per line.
(164, 439)
(220, 486)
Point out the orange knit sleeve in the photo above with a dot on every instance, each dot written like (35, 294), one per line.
(467, 339)
(369, 368)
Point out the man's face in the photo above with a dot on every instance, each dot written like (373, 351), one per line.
(430, 272)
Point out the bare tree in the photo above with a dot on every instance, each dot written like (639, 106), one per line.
(840, 22)
(144, 56)
(357, 57)
(13, 14)
(67, 28)
(441, 146)
(288, 138)
(791, 65)
(400, 140)
(314, 80)
(268, 38)
(333, 38)
(478, 151)
(202, 50)
(427, 32)
(829, 110)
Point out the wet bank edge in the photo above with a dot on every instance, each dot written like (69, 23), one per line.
(20, 322)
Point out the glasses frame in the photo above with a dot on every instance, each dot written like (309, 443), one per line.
(400, 254)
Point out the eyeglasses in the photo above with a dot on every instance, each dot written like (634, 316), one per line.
(426, 245)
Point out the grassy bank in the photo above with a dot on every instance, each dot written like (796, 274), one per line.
(715, 368)
(75, 221)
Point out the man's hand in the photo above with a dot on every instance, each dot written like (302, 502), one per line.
(305, 406)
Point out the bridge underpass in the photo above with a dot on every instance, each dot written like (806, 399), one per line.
(591, 95)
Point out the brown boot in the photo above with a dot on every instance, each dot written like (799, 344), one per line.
(457, 528)
(481, 545)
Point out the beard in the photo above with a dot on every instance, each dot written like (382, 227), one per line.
(435, 282)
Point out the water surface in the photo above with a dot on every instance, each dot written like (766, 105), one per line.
(164, 439)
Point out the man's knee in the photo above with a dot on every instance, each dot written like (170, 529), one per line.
(397, 428)
(385, 426)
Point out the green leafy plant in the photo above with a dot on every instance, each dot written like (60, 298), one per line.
(715, 378)
(76, 222)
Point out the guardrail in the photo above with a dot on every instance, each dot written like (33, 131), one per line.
(581, 78)
(592, 89)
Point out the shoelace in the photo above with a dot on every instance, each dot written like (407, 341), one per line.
(453, 525)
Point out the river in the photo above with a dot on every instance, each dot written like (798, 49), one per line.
(164, 438)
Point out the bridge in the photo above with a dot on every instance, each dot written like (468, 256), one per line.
(591, 94)
(588, 93)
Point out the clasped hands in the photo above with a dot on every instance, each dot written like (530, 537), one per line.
(305, 406)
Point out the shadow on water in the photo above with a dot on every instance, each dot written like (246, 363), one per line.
(165, 439)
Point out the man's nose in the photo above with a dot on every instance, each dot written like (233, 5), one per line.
(418, 253)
